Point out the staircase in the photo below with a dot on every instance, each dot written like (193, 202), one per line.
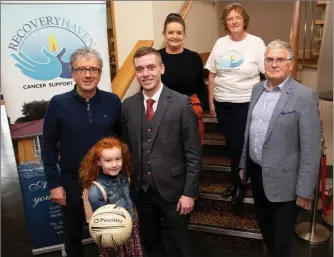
(214, 223)
(314, 10)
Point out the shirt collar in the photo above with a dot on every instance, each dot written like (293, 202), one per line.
(80, 98)
(156, 96)
(280, 86)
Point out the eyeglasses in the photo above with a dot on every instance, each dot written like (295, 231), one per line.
(270, 60)
(83, 71)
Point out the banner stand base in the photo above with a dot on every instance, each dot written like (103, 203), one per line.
(59, 247)
(319, 235)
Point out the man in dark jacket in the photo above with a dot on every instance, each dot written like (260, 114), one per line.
(74, 122)
(161, 129)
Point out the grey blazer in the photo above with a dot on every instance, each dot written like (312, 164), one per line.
(175, 154)
(292, 148)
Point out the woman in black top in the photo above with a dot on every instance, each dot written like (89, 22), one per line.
(183, 67)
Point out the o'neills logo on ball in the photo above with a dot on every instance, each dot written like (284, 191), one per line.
(107, 220)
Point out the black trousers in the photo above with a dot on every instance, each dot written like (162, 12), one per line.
(73, 215)
(276, 219)
(156, 215)
(232, 118)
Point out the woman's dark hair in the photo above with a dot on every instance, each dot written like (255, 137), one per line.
(174, 17)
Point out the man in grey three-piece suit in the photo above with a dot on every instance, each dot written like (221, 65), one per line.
(161, 129)
(282, 149)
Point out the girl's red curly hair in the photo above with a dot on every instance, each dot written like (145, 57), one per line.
(89, 169)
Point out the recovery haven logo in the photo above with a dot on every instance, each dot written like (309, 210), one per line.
(230, 60)
(42, 47)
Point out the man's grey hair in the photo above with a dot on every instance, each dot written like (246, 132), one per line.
(85, 52)
(279, 44)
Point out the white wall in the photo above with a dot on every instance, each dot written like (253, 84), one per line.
(268, 19)
(134, 21)
(202, 26)
(201, 16)
(160, 11)
(272, 20)
(133, 89)
(309, 79)
(140, 20)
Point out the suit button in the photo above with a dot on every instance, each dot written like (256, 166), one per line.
(138, 178)
(148, 162)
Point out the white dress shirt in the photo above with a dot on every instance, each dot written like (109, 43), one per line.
(260, 119)
(155, 97)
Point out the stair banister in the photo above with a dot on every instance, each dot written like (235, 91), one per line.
(294, 34)
(126, 74)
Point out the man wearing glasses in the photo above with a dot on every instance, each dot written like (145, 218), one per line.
(282, 149)
(73, 123)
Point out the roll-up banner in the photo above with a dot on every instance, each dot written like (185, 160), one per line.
(37, 39)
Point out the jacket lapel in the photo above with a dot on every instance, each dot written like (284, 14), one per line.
(285, 95)
(138, 119)
(163, 104)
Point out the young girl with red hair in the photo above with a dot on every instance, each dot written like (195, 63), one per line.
(108, 163)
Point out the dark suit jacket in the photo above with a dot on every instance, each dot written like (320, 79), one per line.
(175, 154)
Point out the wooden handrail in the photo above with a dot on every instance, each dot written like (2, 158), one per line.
(204, 57)
(126, 73)
(294, 35)
(185, 9)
